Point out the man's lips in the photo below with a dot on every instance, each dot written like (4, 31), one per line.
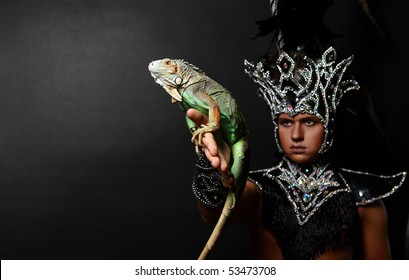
(297, 149)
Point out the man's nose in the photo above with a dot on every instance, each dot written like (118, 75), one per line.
(297, 133)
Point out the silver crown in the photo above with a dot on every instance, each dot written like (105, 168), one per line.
(315, 89)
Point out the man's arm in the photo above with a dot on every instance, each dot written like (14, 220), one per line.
(217, 158)
(374, 223)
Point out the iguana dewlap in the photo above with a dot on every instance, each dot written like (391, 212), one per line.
(192, 88)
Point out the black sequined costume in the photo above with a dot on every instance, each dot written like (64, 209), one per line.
(307, 221)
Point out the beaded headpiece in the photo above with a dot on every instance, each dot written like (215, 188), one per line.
(315, 88)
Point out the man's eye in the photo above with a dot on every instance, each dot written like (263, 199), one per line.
(309, 122)
(285, 122)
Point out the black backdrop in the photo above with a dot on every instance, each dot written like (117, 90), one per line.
(95, 162)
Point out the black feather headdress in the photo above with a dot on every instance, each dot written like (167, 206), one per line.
(294, 22)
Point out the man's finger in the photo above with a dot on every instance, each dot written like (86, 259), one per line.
(197, 117)
(214, 161)
(210, 144)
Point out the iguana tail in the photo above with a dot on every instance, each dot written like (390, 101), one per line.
(221, 223)
(239, 170)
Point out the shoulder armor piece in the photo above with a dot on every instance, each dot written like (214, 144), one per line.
(367, 187)
(257, 175)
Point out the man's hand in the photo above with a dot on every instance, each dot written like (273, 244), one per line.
(216, 150)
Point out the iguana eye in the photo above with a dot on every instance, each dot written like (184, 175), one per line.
(178, 80)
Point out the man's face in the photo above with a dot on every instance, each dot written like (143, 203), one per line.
(300, 136)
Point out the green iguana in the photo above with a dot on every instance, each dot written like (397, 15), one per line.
(191, 88)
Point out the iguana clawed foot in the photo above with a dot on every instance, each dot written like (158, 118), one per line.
(197, 135)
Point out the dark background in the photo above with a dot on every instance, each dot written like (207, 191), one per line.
(96, 163)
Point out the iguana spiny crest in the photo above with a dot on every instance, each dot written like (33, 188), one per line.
(174, 74)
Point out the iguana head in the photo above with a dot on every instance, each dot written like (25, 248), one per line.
(172, 75)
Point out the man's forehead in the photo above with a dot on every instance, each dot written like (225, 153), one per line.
(298, 117)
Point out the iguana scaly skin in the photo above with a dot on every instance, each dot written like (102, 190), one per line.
(191, 88)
